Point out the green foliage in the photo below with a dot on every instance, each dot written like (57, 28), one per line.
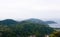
(5, 31)
(34, 29)
(55, 34)
(24, 29)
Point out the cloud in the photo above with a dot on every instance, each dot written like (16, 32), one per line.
(29, 9)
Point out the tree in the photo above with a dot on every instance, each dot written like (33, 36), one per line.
(5, 31)
(24, 29)
(28, 28)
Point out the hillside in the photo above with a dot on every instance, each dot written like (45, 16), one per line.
(8, 22)
(25, 28)
(32, 20)
(50, 22)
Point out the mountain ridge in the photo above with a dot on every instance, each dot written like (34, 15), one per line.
(32, 20)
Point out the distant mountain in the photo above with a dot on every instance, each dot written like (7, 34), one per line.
(50, 22)
(56, 24)
(8, 22)
(33, 20)
(11, 22)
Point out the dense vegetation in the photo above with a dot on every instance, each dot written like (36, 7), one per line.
(55, 34)
(10, 28)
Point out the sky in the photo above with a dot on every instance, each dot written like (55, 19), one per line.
(24, 9)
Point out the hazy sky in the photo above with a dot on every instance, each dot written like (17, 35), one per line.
(24, 9)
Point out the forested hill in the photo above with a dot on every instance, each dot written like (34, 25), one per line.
(25, 28)
(33, 20)
(8, 22)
